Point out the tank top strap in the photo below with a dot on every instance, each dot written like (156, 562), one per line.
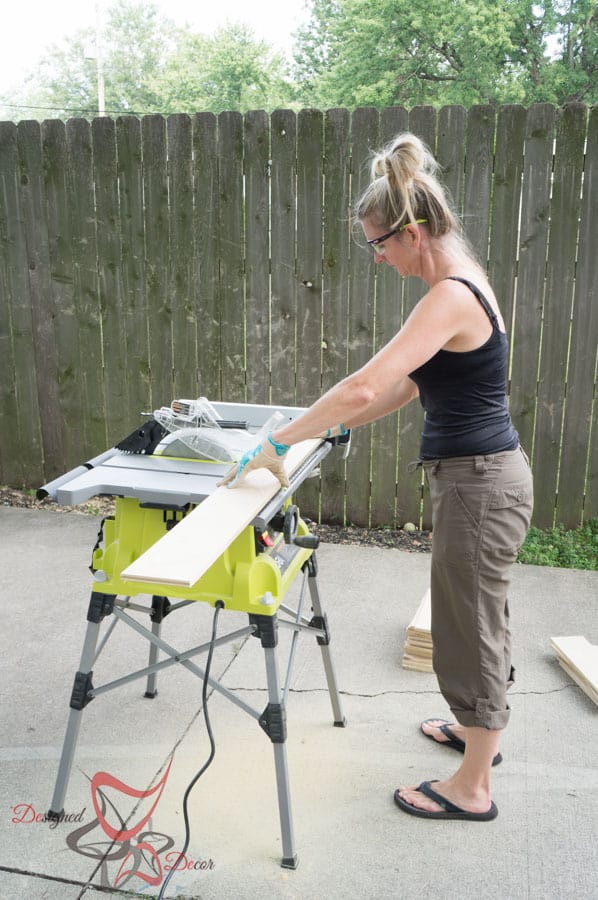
(477, 293)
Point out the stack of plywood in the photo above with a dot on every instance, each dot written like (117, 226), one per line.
(418, 644)
(579, 659)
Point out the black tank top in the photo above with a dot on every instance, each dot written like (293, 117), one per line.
(464, 396)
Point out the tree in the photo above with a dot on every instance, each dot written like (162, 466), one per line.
(229, 71)
(150, 65)
(385, 52)
(135, 41)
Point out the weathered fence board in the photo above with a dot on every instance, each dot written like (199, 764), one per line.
(115, 368)
(558, 300)
(577, 423)
(21, 437)
(231, 227)
(385, 445)
(66, 324)
(508, 167)
(207, 254)
(450, 151)
(181, 291)
(310, 147)
(35, 226)
(134, 316)
(81, 203)
(146, 259)
(479, 150)
(257, 251)
(360, 332)
(335, 298)
(283, 236)
(155, 205)
(531, 273)
(422, 121)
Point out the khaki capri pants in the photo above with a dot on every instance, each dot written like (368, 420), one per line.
(481, 511)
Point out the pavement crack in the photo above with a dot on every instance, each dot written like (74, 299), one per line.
(323, 690)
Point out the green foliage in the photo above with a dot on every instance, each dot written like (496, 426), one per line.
(576, 549)
(408, 52)
(150, 65)
(229, 71)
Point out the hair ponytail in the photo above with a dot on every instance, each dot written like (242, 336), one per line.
(404, 188)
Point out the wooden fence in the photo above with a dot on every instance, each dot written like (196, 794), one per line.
(142, 260)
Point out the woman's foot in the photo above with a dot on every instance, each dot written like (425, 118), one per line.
(453, 790)
(443, 732)
(432, 728)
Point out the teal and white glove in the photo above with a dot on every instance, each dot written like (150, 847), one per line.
(335, 431)
(267, 455)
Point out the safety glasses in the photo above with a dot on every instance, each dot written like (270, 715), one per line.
(375, 242)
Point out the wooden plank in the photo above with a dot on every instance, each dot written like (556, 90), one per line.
(478, 178)
(155, 192)
(337, 233)
(83, 216)
(422, 122)
(310, 153)
(450, 152)
(257, 254)
(33, 206)
(283, 236)
(577, 424)
(506, 199)
(558, 299)
(365, 137)
(232, 298)
(580, 659)
(116, 366)
(21, 440)
(533, 239)
(422, 620)
(418, 642)
(132, 270)
(66, 324)
(206, 254)
(387, 322)
(180, 262)
(183, 555)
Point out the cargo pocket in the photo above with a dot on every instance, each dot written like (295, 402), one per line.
(508, 518)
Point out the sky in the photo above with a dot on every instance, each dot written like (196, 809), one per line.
(29, 27)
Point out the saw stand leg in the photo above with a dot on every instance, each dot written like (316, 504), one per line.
(274, 722)
(320, 621)
(160, 609)
(100, 605)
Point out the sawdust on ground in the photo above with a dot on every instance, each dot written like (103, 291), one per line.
(412, 542)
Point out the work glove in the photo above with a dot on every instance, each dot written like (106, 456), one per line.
(335, 431)
(267, 455)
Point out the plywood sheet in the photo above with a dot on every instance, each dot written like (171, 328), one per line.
(183, 555)
(579, 659)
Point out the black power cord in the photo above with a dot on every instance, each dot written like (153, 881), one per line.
(195, 779)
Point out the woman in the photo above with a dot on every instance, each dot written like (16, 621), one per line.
(452, 352)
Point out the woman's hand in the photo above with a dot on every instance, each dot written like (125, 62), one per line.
(266, 455)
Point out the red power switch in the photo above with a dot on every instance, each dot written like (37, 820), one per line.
(266, 540)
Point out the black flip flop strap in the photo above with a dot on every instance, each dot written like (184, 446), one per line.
(449, 734)
(425, 788)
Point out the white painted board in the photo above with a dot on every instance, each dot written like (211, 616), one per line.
(183, 555)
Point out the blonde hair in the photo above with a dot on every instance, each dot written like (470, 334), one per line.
(404, 188)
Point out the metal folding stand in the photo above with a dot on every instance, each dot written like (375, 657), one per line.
(272, 719)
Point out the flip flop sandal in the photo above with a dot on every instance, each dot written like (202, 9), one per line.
(453, 740)
(449, 810)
